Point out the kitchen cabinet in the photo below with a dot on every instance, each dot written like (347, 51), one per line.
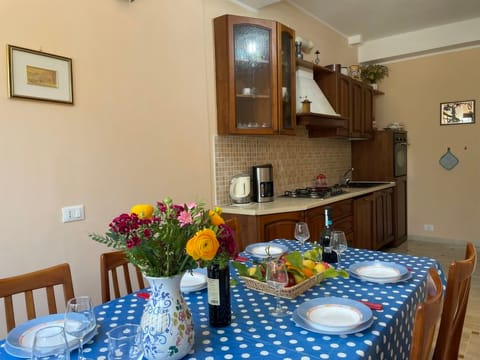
(341, 215)
(255, 76)
(373, 220)
(352, 99)
(263, 228)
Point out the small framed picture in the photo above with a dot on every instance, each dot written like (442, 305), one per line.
(39, 76)
(457, 112)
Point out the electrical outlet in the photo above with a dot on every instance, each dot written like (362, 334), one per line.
(428, 227)
(73, 213)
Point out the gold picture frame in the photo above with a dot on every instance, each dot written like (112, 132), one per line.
(457, 112)
(37, 75)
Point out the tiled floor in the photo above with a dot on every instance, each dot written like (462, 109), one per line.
(446, 253)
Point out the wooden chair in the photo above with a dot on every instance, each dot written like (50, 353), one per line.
(109, 264)
(26, 283)
(456, 300)
(427, 316)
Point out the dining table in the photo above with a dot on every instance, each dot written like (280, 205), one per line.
(255, 334)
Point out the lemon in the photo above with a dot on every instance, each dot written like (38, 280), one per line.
(252, 271)
(310, 264)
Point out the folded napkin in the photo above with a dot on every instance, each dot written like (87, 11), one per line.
(143, 295)
(372, 306)
(241, 258)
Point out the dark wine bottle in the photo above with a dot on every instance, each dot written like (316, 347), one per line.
(219, 307)
(328, 255)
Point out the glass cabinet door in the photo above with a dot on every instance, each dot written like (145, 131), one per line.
(286, 91)
(254, 63)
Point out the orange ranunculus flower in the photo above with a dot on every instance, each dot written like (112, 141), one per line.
(215, 217)
(143, 211)
(203, 245)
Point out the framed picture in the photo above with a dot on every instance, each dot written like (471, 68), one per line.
(39, 76)
(457, 112)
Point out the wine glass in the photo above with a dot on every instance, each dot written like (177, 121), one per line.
(50, 343)
(79, 320)
(338, 242)
(302, 233)
(277, 277)
(125, 342)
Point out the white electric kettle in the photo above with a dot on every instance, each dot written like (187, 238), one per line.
(240, 189)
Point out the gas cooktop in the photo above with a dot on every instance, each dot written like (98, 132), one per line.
(315, 192)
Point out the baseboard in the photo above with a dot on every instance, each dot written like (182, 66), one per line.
(442, 240)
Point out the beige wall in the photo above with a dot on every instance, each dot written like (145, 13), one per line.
(138, 130)
(413, 92)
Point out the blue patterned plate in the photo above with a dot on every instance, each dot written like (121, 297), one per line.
(378, 271)
(19, 340)
(266, 250)
(307, 326)
(334, 314)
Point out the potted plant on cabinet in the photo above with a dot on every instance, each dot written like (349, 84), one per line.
(373, 73)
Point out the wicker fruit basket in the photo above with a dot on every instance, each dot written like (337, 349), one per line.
(290, 292)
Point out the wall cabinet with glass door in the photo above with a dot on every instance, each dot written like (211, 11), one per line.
(255, 76)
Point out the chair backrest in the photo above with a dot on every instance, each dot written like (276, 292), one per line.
(109, 264)
(427, 316)
(456, 300)
(26, 283)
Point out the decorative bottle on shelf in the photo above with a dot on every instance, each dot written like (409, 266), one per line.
(328, 255)
(219, 307)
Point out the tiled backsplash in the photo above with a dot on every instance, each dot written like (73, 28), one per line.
(296, 160)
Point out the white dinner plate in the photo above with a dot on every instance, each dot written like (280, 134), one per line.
(266, 250)
(379, 270)
(19, 340)
(193, 281)
(405, 277)
(334, 314)
(307, 326)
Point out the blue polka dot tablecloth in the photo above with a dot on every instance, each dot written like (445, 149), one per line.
(254, 334)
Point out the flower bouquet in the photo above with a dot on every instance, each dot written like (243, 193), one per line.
(163, 242)
(169, 239)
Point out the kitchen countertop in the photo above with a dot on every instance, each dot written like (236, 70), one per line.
(283, 204)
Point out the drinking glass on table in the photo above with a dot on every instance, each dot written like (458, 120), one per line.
(302, 233)
(125, 343)
(50, 343)
(338, 242)
(277, 277)
(79, 320)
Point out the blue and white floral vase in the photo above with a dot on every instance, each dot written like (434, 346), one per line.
(166, 321)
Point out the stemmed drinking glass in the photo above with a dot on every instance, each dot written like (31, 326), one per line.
(79, 320)
(338, 242)
(50, 343)
(277, 277)
(302, 233)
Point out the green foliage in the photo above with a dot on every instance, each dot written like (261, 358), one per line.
(373, 73)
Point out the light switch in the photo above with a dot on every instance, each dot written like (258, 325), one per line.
(73, 213)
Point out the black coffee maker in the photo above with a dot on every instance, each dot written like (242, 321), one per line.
(262, 178)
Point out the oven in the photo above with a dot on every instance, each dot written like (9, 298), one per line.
(399, 154)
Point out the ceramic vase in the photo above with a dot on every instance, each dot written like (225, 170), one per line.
(219, 304)
(166, 322)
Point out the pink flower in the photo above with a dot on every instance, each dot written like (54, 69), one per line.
(191, 205)
(185, 218)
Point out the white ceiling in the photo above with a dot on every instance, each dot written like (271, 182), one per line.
(374, 19)
(442, 24)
